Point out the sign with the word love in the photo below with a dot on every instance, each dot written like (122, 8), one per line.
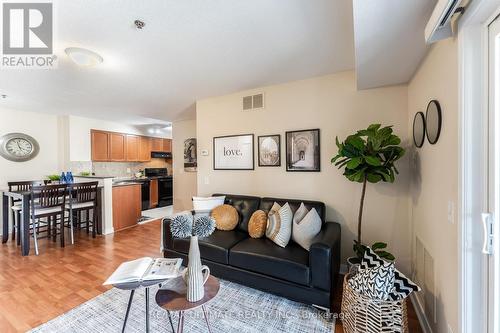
(233, 152)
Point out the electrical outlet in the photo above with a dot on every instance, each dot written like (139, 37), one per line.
(451, 212)
(128, 170)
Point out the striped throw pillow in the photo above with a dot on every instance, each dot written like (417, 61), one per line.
(279, 225)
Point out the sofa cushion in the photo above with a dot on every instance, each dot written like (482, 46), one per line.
(263, 256)
(245, 205)
(267, 203)
(214, 247)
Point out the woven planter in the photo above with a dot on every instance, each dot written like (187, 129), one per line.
(365, 315)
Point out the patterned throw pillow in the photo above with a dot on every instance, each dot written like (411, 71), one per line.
(304, 231)
(403, 286)
(376, 282)
(279, 225)
(257, 224)
(226, 217)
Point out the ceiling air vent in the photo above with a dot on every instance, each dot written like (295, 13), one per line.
(253, 102)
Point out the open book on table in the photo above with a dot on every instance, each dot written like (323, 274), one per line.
(145, 269)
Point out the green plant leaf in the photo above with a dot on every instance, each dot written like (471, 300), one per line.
(374, 127)
(372, 160)
(385, 255)
(373, 177)
(354, 163)
(379, 245)
(356, 142)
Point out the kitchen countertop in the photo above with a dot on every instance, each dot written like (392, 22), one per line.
(95, 177)
(125, 183)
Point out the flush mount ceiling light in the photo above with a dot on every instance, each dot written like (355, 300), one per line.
(83, 57)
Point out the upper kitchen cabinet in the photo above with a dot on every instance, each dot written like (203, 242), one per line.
(161, 145)
(133, 147)
(157, 144)
(99, 145)
(145, 149)
(117, 147)
(167, 145)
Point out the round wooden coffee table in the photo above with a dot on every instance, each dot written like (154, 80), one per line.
(174, 299)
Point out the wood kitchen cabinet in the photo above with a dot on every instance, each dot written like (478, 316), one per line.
(153, 193)
(120, 147)
(132, 147)
(117, 147)
(126, 206)
(144, 149)
(167, 145)
(99, 145)
(157, 144)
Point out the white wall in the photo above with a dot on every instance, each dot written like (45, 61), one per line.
(45, 129)
(185, 183)
(332, 104)
(435, 177)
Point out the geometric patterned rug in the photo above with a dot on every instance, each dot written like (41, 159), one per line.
(235, 309)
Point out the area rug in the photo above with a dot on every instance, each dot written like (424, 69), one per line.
(235, 309)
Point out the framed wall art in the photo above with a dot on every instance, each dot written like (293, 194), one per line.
(234, 152)
(190, 155)
(269, 150)
(303, 150)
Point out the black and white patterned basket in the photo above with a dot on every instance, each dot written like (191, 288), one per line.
(362, 314)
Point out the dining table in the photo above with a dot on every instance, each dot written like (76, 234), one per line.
(24, 222)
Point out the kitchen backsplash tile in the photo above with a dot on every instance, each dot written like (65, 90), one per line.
(117, 169)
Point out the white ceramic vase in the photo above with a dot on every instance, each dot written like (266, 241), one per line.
(196, 274)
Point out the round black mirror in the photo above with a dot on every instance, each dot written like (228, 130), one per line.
(433, 121)
(419, 129)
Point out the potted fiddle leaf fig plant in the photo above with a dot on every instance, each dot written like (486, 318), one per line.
(369, 156)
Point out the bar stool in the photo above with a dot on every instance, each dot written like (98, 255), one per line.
(16, 204)
(48, 202)
(83, 197)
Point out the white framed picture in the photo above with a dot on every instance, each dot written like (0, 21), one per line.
(234, 152)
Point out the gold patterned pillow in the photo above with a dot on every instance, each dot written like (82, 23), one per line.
(257, 224)
(279, 225)
(226, 217)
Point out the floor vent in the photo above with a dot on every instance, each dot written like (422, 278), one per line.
(253, 102)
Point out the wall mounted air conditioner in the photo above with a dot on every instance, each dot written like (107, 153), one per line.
(439, 25)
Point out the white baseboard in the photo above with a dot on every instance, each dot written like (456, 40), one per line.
(422, 318)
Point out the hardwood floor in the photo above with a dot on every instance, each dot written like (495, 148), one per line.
(35, 289)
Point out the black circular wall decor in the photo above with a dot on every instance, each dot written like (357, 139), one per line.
(433, 121)
(419, 129)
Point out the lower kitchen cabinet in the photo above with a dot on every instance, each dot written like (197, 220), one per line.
(126, 205)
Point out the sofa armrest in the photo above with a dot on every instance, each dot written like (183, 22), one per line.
(324, 256)
(168, 240)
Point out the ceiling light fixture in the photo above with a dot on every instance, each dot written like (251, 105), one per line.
(83, 57)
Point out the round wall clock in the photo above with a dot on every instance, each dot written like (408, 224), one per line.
(18, 147)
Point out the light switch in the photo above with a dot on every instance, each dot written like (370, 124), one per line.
(204, 152)
(451, 212)
(207, 180)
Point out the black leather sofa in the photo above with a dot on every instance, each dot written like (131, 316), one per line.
(292, 272)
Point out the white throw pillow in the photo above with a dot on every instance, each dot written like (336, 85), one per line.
(279, 225)
(300, 213)
(304, 231)
(203, 206)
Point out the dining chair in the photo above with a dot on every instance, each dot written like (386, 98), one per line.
(16, 204)
(48, 201)
(83, 198)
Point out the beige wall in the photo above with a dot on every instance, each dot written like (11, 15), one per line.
(434, 170)
(184, 182)
(332, 104)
